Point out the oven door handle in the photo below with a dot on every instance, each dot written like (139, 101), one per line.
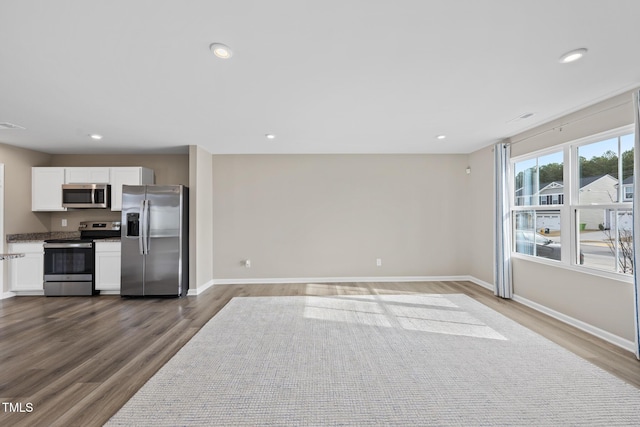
(68, 245)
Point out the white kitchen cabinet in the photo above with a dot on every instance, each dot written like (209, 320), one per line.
(46, 188)
(91, 175)
(107, 267)
(26, 274)
(127, 176)
(46, 183)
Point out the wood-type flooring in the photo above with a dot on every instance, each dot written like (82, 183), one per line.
(74, 361)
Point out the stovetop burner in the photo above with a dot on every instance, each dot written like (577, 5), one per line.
(92, 230)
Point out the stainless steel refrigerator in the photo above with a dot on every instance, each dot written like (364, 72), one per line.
(155, 244)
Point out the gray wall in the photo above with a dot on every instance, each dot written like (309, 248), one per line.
(201, 218)
(18, 217)
(480, 208)
(301, 216)
(17, 197)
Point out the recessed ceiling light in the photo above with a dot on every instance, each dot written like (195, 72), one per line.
(572, 56)
(270, 136)
(441, 136)
(95, 136)
(221, 51)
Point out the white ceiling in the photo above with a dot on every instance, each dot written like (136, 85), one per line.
(324, 76)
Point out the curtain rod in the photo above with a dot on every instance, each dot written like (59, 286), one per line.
(569, 123)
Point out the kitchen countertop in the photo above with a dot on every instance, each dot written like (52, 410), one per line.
(41, 237)
(10, 256)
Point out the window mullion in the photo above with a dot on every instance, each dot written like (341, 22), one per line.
(620, 172)
(567, 223)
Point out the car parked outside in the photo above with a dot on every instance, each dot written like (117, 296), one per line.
(544, 247)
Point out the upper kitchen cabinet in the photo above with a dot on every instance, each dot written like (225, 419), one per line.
(127, 176)
(46, 183)
(46, 189)
(86, 175)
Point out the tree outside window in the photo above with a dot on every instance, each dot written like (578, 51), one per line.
(604, 216)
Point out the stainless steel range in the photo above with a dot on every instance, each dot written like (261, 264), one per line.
(69, 264)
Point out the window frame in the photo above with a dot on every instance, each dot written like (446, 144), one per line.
(569, 231)
(538, 207)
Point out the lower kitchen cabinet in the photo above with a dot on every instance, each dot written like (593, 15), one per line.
(107, 267)
(26, 274)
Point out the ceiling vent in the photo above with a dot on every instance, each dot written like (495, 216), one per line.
(9, 126)
(521, 117)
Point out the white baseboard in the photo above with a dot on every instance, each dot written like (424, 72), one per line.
(200, 289)
(593, 330)
(271, 281)
(23, 294)
(5, 295)
(482, 283)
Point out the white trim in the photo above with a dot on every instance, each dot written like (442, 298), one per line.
(213, 282)
(578, 268)
(200, 289)
(486, 285)
(267, 281)
(6, 295)
(600, 333)
(26, 293)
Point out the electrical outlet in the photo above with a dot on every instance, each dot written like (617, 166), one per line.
(379, 262)
(64, 222)
(247, 263)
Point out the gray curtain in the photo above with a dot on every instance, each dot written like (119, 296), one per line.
(502, 214)
(636, 216)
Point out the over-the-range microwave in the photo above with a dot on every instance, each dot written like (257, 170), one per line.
(87, 196)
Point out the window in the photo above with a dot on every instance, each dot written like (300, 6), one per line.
(572, 204)
(538, 189)
(537, 233)
(603, 211)
(538, 181)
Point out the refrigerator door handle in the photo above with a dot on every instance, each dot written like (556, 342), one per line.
(146, 226)
(141, 229)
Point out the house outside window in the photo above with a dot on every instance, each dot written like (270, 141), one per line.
(572, 203)
(538, 190)
(603, 210)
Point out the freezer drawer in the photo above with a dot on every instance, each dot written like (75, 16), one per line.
(68, 289)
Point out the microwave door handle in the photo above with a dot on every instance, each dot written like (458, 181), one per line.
(93, 195)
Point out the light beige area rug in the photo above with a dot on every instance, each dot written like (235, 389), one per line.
(408, 360)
